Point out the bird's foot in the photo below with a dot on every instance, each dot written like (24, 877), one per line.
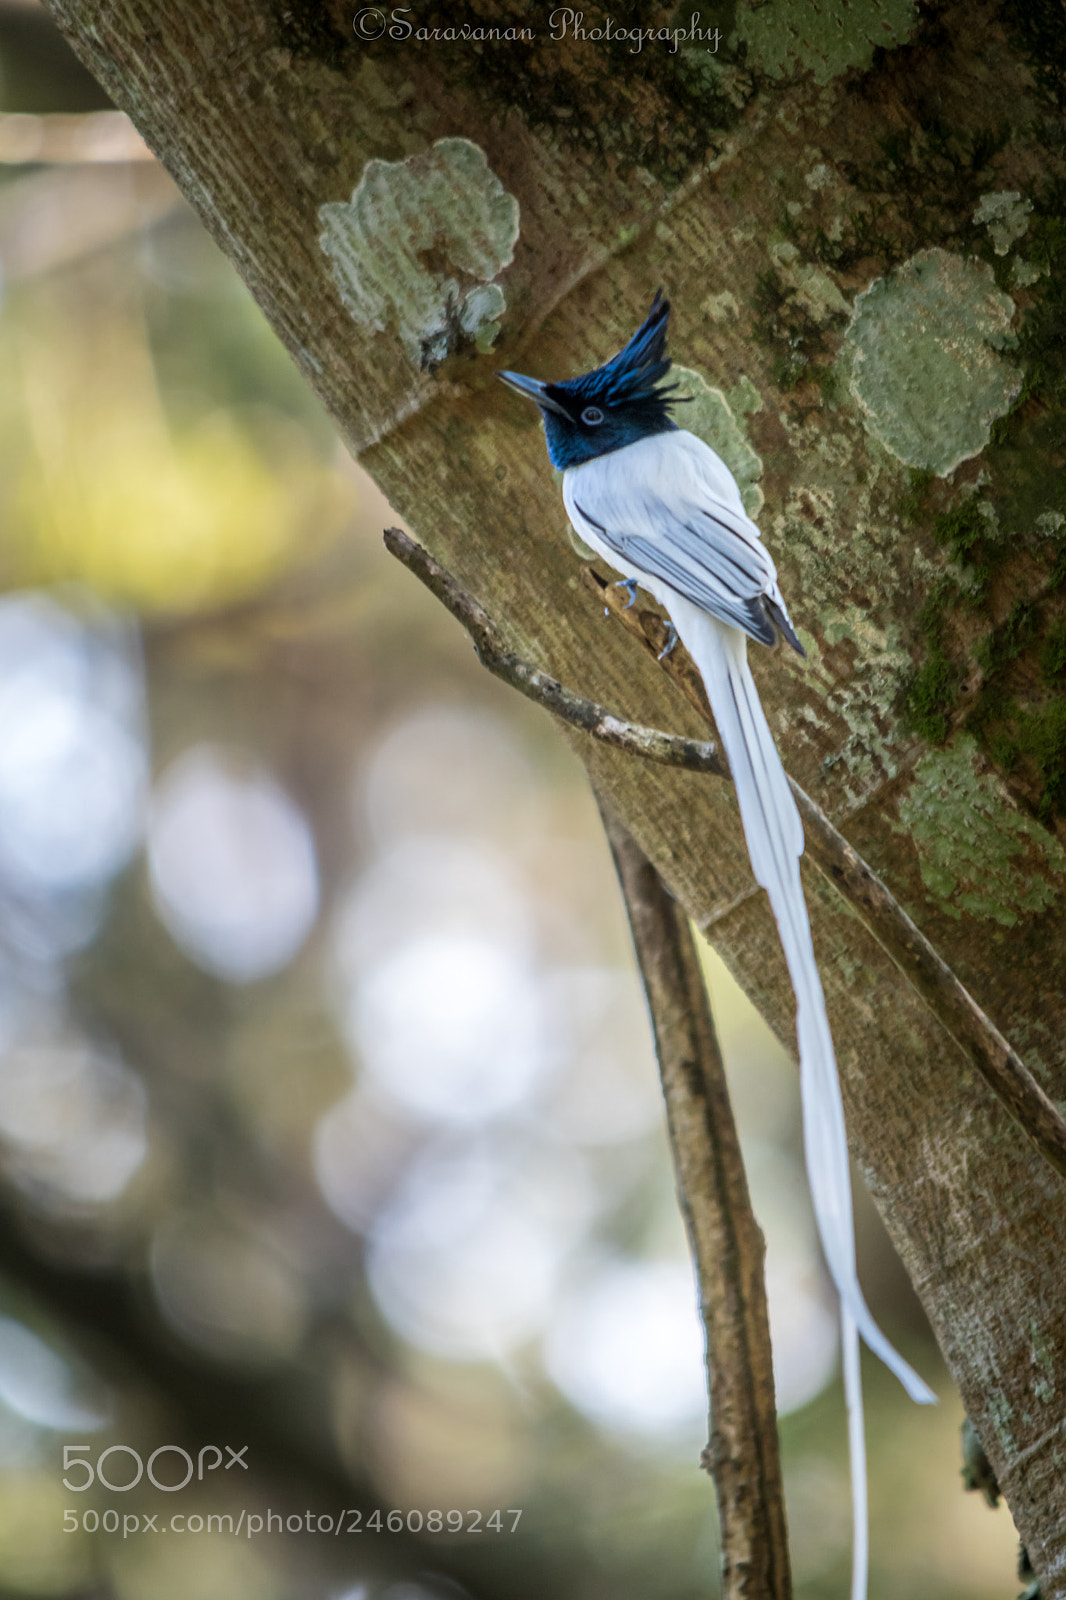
(671, 640)
(630, 586)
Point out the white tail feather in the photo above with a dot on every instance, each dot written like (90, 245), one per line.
(860, 1527)
(774, 836)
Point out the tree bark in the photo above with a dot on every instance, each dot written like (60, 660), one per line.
(548, 187)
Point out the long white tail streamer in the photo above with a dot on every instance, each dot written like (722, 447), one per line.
(774, 836)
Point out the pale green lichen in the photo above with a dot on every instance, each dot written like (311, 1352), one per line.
(1001, 1415)
(813, 290)
(978, 854)
(711, 416)
(1043, 1357)
(418, 245)
(817, 544)
(743, 398)
(1025, 274)
(723, 307)
(793, 36)
(921, 358)
(1006, 216)
(820, 177)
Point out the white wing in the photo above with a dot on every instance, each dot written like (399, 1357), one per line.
(667, 507)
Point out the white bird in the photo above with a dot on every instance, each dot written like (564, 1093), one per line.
(664, 510)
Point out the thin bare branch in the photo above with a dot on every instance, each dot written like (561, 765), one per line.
(665, 748)
(725, 1239)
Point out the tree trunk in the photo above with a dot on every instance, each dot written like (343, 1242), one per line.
(536, 192)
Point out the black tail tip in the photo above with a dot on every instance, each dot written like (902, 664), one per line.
(784, 627)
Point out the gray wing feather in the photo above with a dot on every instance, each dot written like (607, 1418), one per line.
(709, 558)
(742, 611)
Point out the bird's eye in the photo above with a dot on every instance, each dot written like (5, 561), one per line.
(592, 415)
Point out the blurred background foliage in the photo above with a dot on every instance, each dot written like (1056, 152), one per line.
(329, 1122)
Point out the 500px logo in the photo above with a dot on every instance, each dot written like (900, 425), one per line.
(373, 23)
(76, 1460)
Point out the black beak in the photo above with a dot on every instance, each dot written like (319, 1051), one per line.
(533, 390)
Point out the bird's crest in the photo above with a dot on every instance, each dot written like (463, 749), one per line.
(633, 375)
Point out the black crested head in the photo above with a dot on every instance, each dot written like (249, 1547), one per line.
(612, 406)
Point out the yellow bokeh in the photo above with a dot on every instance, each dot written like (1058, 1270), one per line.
(37, 1557)
(181, 1564)
(102, 489)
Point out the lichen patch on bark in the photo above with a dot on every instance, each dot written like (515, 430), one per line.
(418, 245)
(922, 359)
(978, 854)
(793, 36)
(1006, 216)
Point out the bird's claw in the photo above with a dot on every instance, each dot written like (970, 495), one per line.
(630, 586)
(671, 640)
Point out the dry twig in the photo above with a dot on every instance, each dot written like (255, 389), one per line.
(725, 1239)
(665, 748)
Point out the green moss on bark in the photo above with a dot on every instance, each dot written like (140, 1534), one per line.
(1000, 608)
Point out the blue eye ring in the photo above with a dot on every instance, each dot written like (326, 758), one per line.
(592, 416)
